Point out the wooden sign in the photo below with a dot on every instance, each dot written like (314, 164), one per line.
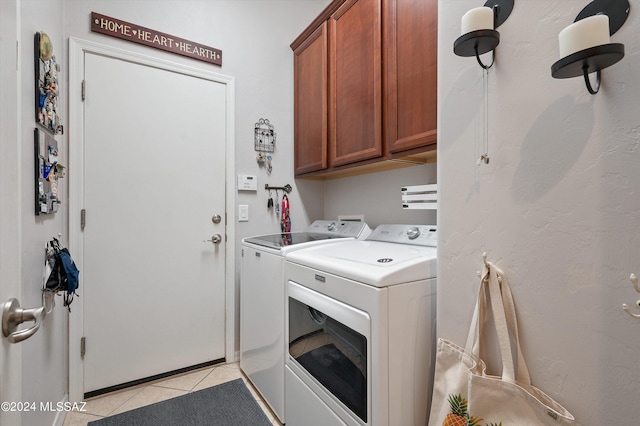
(148, 37)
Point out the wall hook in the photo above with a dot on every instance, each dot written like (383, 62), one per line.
(484, 262)
(634, 280)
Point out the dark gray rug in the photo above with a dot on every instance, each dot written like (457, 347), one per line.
(228, 404)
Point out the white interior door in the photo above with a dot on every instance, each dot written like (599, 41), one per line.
(154, 176)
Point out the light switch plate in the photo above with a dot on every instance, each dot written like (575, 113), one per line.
(243, 213)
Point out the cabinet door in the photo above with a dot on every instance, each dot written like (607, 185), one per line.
(310, 103)
(411, 35)
(355, 85)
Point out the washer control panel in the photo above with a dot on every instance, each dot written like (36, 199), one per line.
(419, 235)
(339, 228)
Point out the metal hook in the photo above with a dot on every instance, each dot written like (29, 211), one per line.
(634, 280)
(484, 261)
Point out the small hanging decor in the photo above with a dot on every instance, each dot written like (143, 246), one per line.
(264, 142)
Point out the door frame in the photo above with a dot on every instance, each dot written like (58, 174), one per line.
(77, 49)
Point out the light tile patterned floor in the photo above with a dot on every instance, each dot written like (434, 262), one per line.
(160, 390)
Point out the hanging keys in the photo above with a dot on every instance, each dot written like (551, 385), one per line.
(269, 168)
(270, 201)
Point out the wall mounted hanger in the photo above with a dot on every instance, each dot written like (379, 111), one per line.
(634, 280)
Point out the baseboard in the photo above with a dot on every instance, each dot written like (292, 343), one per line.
(61, 415)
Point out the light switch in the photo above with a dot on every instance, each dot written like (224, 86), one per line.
(243, 213)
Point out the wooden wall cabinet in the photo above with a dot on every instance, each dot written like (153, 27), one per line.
(310, 103)
(411, 91)
(355, 82)
(365, 76)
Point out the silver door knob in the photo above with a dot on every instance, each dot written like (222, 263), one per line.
(216, 218)
(215, 239)
(13, 315)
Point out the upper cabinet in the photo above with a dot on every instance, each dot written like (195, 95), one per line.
(310, 103)
(366, 87)
(355, 82)
(411, 92)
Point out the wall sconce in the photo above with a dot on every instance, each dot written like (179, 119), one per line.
(585, 45)
(479, 34)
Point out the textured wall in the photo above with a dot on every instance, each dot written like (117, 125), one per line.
(556, 208)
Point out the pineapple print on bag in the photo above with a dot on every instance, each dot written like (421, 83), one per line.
(459, 415)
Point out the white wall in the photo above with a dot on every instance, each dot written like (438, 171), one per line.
(557, 207)
(377, 196)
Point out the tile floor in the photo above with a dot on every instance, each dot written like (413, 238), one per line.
(160, 390)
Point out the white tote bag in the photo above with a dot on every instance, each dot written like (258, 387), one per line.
(465, 395)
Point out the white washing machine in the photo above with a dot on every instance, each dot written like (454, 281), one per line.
(361, 330)
(262, 301)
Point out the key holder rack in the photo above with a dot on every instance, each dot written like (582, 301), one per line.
(287, 188)
(625, 307)
(264, 142)
(590, 57)
(264, 136)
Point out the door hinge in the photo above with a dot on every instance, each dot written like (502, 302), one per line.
(83, 219)
(83, 87)
(83, 346)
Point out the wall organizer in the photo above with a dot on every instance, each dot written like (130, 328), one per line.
(47, 173)
(585, 47)
(276, 204)
(479, 35)
(422, 197)
(264, 142)
(46, 84)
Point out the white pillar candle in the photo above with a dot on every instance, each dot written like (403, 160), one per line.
(480, 18)
(586, 33)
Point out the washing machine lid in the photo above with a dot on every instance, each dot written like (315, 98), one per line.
(375, 263)
(278, 241)
(318, 231)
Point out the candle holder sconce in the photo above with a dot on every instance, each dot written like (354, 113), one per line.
(480, 37)
(596, 57)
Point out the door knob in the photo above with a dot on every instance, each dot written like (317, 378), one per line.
(216, 218)
(13, 315)
(215, 239)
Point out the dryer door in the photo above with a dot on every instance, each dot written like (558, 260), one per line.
(328, 340)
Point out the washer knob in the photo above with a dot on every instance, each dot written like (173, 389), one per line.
(413, 232)
(332, 226)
